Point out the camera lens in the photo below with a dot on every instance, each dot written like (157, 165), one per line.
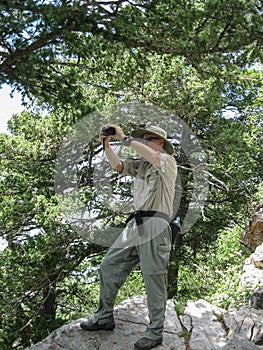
(107, 131)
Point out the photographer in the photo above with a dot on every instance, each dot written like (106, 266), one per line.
(154, 181)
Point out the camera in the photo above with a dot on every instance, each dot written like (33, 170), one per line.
(108, 130)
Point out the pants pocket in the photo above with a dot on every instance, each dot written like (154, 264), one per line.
(164, 254)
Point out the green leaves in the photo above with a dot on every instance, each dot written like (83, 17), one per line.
(214, 274)
(38, 39)
(198, 59)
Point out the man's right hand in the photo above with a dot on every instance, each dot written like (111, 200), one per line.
(119, 135)
(104, 138)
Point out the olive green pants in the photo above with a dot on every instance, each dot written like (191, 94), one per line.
(153, 254)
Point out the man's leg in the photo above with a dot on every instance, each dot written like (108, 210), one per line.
(154, 259)
(156, 290)
(114, 269)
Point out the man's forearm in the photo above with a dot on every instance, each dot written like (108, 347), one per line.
(146, 152)
(113, 158)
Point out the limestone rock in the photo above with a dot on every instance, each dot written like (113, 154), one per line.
(206, 330)
(256, 299)
(246, 322)
(203, 326)
(252, 277)
(131, 317)
(257, 257)
(253, 235)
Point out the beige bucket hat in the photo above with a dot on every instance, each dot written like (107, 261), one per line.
(156, 130)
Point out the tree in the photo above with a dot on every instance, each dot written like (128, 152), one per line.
(48, 253)
(196, 59)
(40, 39)
(42, 252)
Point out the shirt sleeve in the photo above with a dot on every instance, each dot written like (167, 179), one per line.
(130, 167)
(163, 162)
(168, 166)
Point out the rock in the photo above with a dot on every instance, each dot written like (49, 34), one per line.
(253, 235)
(252, 272)
(252, 277)
(256, 299)
(202, 326)
(131, 317)
(206, 332)
(246, 323)
(257, 257)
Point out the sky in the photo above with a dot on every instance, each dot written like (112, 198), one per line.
(8, 106)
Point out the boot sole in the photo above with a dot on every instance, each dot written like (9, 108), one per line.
(87, 328)
(148, 348)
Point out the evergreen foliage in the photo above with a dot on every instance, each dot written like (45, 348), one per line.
(200, 59)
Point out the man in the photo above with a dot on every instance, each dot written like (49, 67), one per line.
(148, 227)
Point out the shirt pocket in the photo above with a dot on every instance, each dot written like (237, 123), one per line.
(151, 180)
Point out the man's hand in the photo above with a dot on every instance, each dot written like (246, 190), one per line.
(119, 134)
(113, 158)
(104, 139)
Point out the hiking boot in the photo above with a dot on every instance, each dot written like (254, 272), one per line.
(90, 326)
(147, 344)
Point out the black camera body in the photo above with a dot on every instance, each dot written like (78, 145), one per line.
(108, 130)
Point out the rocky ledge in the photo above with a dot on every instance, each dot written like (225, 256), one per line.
(201, 327)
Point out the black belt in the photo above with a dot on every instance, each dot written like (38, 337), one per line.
(138, 214)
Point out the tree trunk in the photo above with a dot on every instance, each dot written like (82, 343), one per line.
(174, 268)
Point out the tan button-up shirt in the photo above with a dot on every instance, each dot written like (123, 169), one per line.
(154, 187)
